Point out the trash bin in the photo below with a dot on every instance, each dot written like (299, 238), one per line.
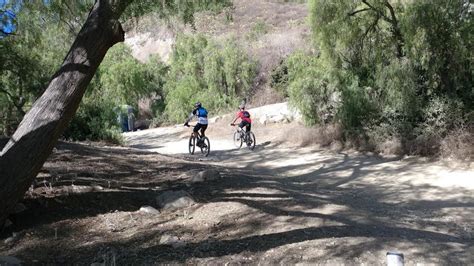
(124, 123)
(125, 117)
(131, 121)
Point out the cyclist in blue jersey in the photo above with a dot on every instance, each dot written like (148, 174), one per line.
(201, 113)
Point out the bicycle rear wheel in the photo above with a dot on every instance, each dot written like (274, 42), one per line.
(192, 144)
(238, 139)
(205, 146)
(250, 140)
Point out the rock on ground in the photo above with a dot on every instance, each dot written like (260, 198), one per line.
(149, 210)
(174, 200)
(206, 175)
(173, 241)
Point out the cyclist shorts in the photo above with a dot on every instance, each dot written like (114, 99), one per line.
(201, 127)
(245, 124)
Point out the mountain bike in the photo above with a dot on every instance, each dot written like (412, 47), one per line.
(201, 142)
(241, 136)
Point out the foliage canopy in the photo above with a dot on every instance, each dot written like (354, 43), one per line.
(387, 68)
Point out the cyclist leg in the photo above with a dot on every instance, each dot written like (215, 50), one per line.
(201, 140)
(203, 130)
(248, 126)
(196, 130)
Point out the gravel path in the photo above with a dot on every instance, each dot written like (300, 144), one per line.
(280, 204)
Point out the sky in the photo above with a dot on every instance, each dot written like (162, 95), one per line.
(7, 25)
(8, 16)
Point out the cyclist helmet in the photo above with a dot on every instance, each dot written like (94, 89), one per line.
(197, 104)
(242, 106)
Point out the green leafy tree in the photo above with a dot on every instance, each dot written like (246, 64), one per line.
(385, 66)
(201, 70)
(28, 62)
(428, 50)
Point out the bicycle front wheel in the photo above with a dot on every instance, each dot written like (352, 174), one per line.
(238, 139)
(192, 144)
(250, 140)
(205, 146)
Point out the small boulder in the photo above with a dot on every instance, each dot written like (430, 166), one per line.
(149, 210)
(11, 240)
(280, 118)
(174, 200)
(170, 240)
(206, 175)
(263, 119)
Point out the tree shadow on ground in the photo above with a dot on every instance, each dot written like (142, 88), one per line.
(328, 204)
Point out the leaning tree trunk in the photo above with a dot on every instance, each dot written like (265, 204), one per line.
(38, 132)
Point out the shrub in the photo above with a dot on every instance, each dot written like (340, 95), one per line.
(279, 78)
(309, 87)
(258, 29)
(201, 70)
(458, 143)
(94, 121)
(397, 71)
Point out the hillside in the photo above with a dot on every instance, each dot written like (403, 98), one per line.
(268, 30)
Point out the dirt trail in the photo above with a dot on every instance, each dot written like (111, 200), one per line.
(286, 204)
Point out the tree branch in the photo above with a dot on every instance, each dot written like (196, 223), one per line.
(397, 34)
(355, 12)
(7, 93)
(72, 29)
(392, 12)
(381, 13)
(371, 27)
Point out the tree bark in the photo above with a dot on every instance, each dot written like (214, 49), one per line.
(31, 144)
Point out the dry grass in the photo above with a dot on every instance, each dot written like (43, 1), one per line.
(296, 134)
(390, 146)
(459, 144)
